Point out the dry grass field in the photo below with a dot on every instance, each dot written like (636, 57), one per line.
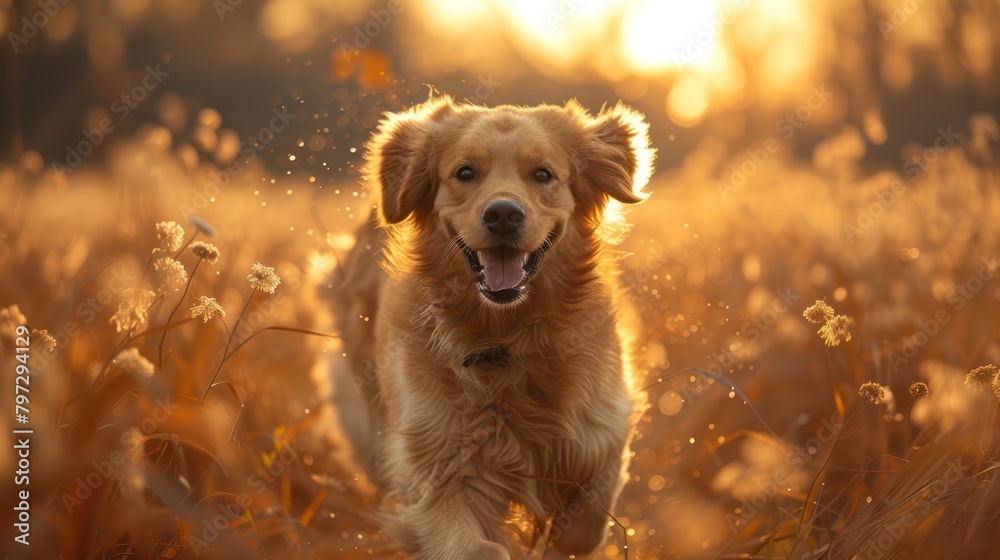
(720, 286)
(819, 311)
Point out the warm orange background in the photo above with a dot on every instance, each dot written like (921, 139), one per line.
(837, 150)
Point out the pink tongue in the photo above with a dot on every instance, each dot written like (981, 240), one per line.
(503, 268)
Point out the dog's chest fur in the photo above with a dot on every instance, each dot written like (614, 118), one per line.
(558, 409)
(563, 433)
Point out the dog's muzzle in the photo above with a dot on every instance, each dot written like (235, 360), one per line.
(502, 273)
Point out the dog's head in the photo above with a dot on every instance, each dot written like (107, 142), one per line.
(502, 185)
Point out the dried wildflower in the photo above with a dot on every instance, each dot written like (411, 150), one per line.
(263, 278)
(171, 275)
(996, 386)
(203, 226)
(12, 314)
(871, 392)
(207, 308)
(818, 312)
(919, 389)
(171, 236)
(10, 318)
(206, 251)
(133, 309)
(982, 377)
(837, 330)
(131, 361)
(40, 338)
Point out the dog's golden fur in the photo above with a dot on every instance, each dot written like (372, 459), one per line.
(460, 444)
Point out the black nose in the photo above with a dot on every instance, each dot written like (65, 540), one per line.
(503, 217)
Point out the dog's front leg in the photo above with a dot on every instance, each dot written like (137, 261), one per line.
(585, 513)
(455, 524)
(449, 507)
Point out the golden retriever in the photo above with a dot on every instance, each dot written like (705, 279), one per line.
(491, 393)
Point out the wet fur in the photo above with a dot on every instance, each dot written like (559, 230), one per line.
(460, 450)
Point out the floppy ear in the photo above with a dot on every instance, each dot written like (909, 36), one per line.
(397, 160)
(616, 158)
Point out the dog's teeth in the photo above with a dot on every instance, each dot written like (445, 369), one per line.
(479, 255)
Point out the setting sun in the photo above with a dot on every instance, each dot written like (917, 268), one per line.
(659, 34)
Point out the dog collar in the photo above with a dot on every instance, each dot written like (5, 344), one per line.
(493, 356)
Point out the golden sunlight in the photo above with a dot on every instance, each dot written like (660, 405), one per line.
(639, 36)
(659, 34)
(251, 249)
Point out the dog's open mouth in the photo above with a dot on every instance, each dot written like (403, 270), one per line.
(502, 273)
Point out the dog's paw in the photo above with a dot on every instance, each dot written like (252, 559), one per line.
(486, 550)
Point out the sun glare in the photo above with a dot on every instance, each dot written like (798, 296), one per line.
(659, 34)
(447, 14)
(646, 36)
(541, 25)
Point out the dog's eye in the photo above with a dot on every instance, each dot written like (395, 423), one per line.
(465, 173)
(542, 176)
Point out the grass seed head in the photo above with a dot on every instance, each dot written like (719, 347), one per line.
(263, 278)
(171, 275)
(171, 236)
(982, 377)
(133, 309)
(919, 389)
(206, 251)
(818, 312)
(40, 338)
(871, 392)
(10, 318)
(131, 361)
(837, 330)
(207, 308)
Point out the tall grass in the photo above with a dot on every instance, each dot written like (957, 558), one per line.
(211, 436)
